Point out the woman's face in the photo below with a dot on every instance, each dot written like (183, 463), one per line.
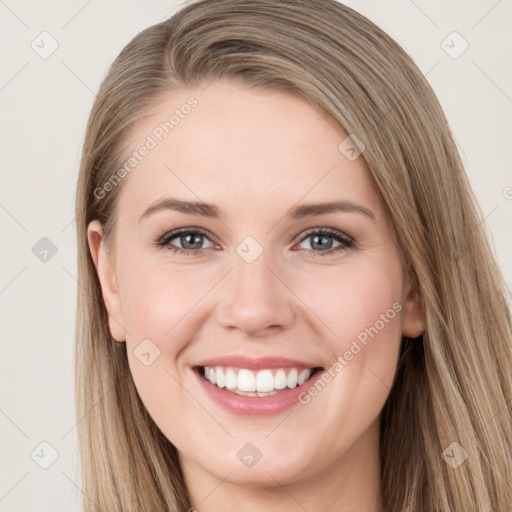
(265, 297)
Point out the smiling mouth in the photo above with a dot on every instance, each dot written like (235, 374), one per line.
(260, 383)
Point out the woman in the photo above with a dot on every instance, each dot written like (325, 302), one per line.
(289, 300)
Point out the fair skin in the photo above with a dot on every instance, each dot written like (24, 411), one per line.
(255, 154)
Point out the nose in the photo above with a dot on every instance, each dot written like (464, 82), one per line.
(257, 300)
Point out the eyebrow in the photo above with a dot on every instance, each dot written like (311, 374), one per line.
(298, 212)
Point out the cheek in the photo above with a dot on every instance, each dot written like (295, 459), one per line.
(159, 305)
(157, 299)
(351, 299)
(360, 307)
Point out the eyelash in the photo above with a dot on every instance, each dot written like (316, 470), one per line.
(346, 241)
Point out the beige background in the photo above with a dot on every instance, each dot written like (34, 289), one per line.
(45, 104)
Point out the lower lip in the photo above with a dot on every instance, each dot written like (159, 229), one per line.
(255, 406)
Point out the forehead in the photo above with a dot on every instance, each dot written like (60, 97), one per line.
(248, 147)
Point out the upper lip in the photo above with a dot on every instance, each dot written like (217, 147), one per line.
(255, 363)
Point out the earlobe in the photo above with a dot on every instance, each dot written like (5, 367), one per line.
(413, 319)
(105, 270)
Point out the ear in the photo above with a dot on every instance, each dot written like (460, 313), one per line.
(413, 320)
(105, 269)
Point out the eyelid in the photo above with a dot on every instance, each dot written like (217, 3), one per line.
(346, 241)
(174, 233)
(328, 231)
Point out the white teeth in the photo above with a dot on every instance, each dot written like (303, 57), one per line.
(303, 376)
(254, 393)
(280, 381)
(246, 381)
(292, 378)
(264, 381)
(220, 378)
(261, 383)
(231, 379)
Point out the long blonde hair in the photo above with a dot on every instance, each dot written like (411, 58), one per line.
(453, 384)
